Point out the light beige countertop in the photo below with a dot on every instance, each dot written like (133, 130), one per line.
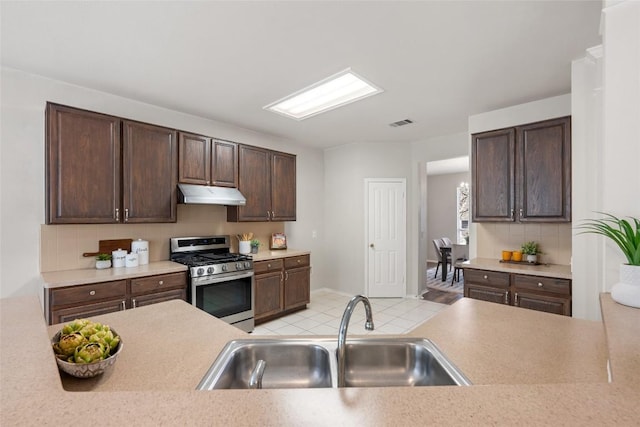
(266, 255)
(546, 270)
(56, 279)
(527, 367)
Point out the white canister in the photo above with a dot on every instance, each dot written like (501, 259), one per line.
(131, 260)
(118, 258)
(244, 247)
(141, 247)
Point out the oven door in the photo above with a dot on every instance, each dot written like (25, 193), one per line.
(229, 297)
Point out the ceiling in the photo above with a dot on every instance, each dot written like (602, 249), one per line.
(438, 62)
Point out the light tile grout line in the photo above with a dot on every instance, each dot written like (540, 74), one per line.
(324, 313)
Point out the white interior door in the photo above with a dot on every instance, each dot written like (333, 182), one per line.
(386, 237)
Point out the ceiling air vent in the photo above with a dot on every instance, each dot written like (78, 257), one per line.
(401, 123)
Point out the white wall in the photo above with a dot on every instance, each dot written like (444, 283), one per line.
(22, 182)
(346, 167)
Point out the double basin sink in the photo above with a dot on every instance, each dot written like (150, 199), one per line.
(312, 363)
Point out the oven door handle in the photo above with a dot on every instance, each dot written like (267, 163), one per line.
(209, 280)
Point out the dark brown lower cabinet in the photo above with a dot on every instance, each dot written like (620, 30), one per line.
(548, 294)
(281, 286)
(82, 301)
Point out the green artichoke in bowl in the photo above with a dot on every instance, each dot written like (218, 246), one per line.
(85, 349)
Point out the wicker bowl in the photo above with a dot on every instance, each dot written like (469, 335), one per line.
(87, 370)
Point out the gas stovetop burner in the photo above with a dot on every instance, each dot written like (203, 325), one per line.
(208, 255)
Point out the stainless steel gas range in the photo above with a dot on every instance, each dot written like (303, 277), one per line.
(220, 282)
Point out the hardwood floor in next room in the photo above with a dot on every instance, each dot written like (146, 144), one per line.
(324, 313)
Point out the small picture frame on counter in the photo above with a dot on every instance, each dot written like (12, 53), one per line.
(278, 241)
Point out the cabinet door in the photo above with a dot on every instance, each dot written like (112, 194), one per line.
(268, 295)
(484, 293)
(544, 171)
(150, 168)
(254, 182)
(82, 166)
(194, 159)
(142, 300)
(546, 303)
(283, 187)
(224, 167)
(296, 287)
(493, 176)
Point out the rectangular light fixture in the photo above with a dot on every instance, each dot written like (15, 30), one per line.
(340, 89)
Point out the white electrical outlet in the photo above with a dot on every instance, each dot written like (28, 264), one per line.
(314, 234)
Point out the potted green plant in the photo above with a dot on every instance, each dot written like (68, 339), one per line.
(103, 261)
(531, 250)
(255, 244)
(627, 237)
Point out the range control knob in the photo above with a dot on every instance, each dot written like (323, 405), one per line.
(247, 264)
(239, 266)
(224, 267)
(210, 270)
(200, 271)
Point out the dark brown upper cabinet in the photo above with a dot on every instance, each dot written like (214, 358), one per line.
(523, 173)
(207, 161)
(267, 179)
(103, 169)
(150, 160)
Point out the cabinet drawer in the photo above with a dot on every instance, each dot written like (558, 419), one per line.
(486, 278)
(296, 261)
(267, 266)
(88, 293)
(544, 284)
(159, 283)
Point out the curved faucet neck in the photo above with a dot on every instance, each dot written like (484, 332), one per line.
(342, 332)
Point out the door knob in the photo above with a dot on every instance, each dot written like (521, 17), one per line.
(371, 245)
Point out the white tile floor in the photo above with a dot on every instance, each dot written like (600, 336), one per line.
(324, 313)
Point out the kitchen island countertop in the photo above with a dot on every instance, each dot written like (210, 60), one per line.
(559, 271)
(557, 373)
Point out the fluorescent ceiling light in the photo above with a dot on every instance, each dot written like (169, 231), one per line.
(332, 92)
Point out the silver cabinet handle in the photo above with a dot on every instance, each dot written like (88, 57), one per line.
(133, 303)
(126, 214)
(124, 305)
(521, 213)
(506, 297)
(117, 215)
(273, 214)
(512, 215)
(286, 276)
(515, 299)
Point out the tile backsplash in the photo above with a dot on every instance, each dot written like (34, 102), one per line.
(554, 240)
(62, 246)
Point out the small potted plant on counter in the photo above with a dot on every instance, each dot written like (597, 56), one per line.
(103, 261)
(530, 249)
(255, 244)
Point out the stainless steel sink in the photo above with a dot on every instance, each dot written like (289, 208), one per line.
(309, 363)
(390, 362)
(289, 364)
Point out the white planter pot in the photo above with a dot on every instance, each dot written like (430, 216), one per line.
(100, 264)
(627, 291)
(532, 259)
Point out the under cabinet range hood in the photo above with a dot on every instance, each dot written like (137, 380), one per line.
(206, 195)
